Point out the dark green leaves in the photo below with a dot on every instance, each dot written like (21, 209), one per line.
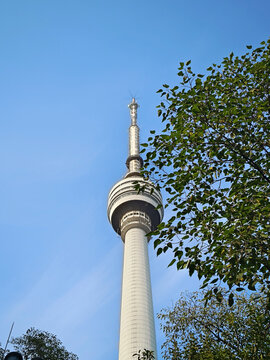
(213, 160)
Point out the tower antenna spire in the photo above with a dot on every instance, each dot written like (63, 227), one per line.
(134, 160)
(133, 106)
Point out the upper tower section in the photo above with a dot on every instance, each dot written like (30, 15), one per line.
(134, 160)
(126, 207)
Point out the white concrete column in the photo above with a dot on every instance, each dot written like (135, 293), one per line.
(137, 328)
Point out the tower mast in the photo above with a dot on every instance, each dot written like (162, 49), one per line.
(134, 161)
(133, 215)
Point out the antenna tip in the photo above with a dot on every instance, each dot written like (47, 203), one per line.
(133, 104)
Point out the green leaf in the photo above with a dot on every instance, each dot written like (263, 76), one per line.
(172, 262)
(231, 299)
(157, 242)
(239, 289)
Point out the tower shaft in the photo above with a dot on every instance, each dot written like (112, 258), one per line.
(137, 329)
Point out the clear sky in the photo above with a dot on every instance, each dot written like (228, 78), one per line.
(68, 70)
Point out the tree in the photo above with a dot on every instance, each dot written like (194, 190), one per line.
(145, 355)
(1, 352)
(216, 331)
(213, 160)
(37, 343)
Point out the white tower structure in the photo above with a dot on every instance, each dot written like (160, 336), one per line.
(133, 215)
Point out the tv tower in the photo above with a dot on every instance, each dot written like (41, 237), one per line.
(132, 216)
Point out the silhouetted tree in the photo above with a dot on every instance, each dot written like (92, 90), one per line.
(37, 343)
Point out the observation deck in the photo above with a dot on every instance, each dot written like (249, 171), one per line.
(123, 198)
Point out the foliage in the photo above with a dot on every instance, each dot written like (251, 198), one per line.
(145, 355)
(37, 343)
(1, 352)
(216, 331)
(213, 160)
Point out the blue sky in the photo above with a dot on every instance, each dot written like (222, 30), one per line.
(68, 70)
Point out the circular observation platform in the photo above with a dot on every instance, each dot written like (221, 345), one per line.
(123, 199)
